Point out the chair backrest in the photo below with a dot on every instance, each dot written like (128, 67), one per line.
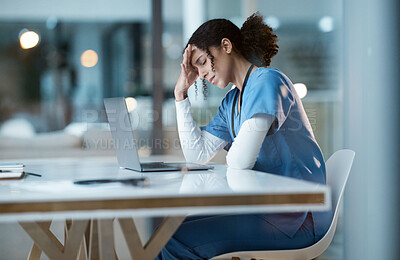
(338, 167)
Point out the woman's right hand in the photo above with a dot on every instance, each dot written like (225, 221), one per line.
(188, 75)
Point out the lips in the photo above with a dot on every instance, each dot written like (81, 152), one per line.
(212, 80)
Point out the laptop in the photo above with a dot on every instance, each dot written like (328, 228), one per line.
(125, 145)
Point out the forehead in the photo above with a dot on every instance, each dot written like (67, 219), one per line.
(196, 54)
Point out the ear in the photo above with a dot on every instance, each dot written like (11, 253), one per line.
(226, 45)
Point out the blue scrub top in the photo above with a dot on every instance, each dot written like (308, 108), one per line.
(289, 149)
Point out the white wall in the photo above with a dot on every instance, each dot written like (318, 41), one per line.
(371, 128)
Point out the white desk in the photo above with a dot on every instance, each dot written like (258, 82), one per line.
(33, 200)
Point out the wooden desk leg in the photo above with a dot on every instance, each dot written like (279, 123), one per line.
(93, 240)
(67, 227)
(83, 250)
(75, 237)
(106, 239)
(50, 245)
(132, 238)
(156, 242)
(36, 252)
(82, 254)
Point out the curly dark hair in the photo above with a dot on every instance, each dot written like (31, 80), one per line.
(256, 41)
(205, 88)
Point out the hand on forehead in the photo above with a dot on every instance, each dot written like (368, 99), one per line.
(195, 54)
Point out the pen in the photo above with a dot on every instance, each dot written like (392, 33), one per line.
(33, 174)
(132, 181)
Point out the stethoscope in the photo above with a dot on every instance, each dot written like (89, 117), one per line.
(241, 100)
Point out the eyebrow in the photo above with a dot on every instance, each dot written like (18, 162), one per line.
(197, 61)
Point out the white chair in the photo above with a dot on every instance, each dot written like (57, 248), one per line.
(337, 172)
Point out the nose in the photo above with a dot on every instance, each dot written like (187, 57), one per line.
(203, 74)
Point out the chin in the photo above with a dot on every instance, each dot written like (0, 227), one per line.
(221, 85)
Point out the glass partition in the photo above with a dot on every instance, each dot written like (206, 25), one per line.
(55, 87)
(60, 59)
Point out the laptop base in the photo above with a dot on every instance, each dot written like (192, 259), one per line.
(161, 166)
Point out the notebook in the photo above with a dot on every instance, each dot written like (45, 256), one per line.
(11, 171)
(125, 146)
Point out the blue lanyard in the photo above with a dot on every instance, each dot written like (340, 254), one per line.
(241, 100)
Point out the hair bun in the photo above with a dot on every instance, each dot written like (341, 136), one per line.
(252, 21)
(259, 41)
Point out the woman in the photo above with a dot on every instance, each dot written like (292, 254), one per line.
(262, 124)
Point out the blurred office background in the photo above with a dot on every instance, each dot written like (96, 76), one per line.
(59, 59)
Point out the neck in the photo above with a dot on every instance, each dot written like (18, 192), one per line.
(240, 70)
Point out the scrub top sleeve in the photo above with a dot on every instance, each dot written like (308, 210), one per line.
(268, 93)
(218, 125)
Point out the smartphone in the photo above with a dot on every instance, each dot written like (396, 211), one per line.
(10, 166)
